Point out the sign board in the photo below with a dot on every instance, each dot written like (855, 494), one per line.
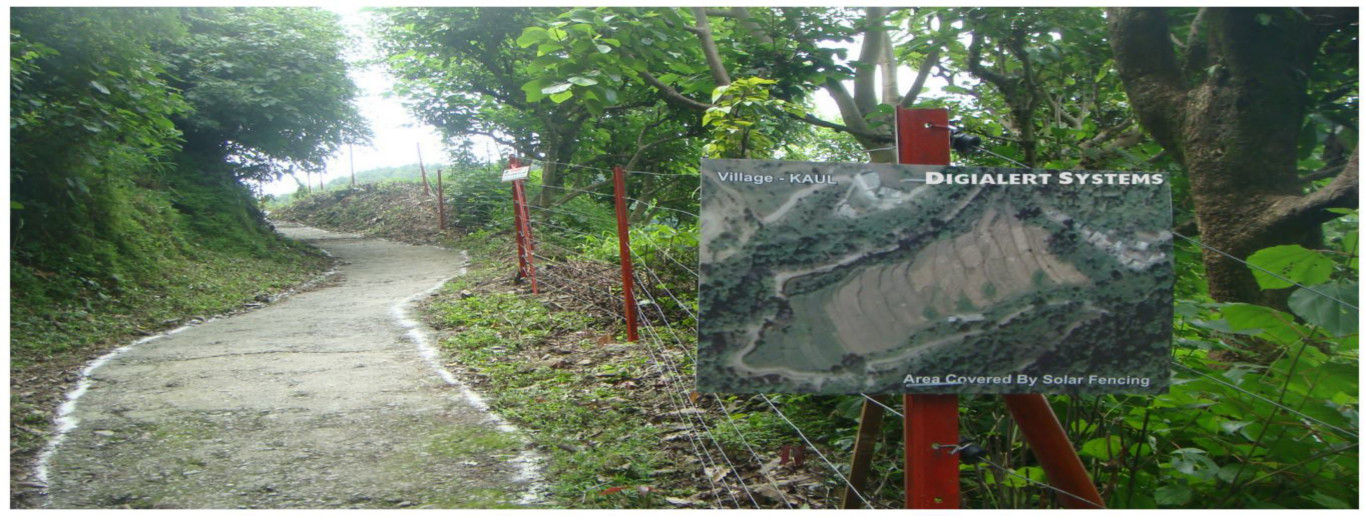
(515, 174)
(832, 278)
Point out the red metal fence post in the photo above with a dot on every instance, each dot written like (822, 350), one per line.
(528, 244)
(931, 422)
(521, 221)
(517, 223)
(624, 246)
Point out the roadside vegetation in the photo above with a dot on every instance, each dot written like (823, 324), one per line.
(135, 137)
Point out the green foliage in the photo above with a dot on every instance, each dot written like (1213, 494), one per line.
(268, 87)
(1263, 409)
(563, 408)
(91, 118)
(741, 120)
(118, 221)
(480, 199)
(671, 256)
(1324, 306)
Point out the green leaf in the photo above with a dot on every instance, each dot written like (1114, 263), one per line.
(533, 90)
(717, 92)
(557, 89)
(1173, 495)
(1245, 318)
(103, 90)
(1320, 308)
(605, 49)
(531, 36)
(1291, 262)
(547, 48)
(582, 81)
(560, 97)
(1326, 501)
(15, 205)
(1102, 448)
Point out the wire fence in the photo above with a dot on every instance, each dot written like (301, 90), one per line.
(731, 469)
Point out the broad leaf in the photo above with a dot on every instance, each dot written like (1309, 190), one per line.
(1173, 495)
(1294, 264)
(1324, 306)
(560, 97)
(556, 89)
(532, 36)
(1245, 318)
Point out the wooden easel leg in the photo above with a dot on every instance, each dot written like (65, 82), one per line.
(1048, 440)
(869, 426)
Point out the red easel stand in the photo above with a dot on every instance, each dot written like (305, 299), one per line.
(931, 423)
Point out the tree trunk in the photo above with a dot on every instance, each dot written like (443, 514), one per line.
(1233, 123)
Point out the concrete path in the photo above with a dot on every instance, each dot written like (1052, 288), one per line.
(322, 400)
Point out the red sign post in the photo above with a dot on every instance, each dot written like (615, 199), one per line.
(931, 422)
(522, 223)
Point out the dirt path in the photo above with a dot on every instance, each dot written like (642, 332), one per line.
(325, 399)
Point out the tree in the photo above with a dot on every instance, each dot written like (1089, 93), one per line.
(466, 73)
(474, 71)
(268, 89)
(1045, 77)
(1228, 94)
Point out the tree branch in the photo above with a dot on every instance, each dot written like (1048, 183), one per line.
(921, 75)
(865, 68)
(1298, 210)
(975, 65)
(1197, 49)
(887, 62)
(853, 117)
(718, 69)
(866, 134)
(741, 15)
(1148, 67)
(672, 94)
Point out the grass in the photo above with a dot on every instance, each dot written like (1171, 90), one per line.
(599, 449)
(463, 441)
(211, 283)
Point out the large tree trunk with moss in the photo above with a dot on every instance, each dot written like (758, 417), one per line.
(1230, 109)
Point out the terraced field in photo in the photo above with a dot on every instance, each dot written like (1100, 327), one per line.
(853, 285)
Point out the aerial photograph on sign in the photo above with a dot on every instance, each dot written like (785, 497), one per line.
(839, 278)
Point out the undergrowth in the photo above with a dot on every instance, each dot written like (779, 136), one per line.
(595, 441)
